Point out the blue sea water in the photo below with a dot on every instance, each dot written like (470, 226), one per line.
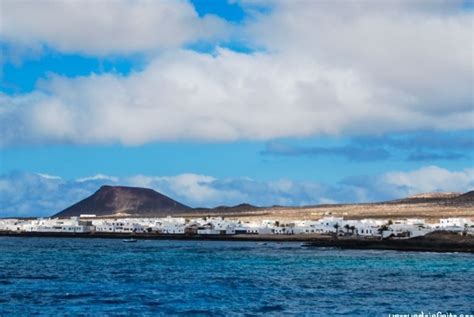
(58, 276)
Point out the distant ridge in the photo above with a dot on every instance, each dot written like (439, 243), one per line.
(124, 201)
(436, 195)
(466, 198)
(236, 207)
(225, 210)
(440, 198)
(121, 201)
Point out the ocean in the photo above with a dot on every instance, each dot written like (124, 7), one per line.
(61, 276)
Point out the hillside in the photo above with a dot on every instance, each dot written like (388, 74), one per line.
(119, 201)
(124, 201)
(430, 206)
(437, 198)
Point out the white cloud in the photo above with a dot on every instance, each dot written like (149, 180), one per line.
(193, 189)
(101, 177)
(230, 96)
(329, 68)
(30, 194)
(47, 176)
(420, 53)
(431, 179)
(105, 27)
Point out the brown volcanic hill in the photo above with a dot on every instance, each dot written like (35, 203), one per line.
(124, 201)
(439, 198)
(466, 198)
(227, 210)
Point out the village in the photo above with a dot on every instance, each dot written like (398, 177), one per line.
(214, 226)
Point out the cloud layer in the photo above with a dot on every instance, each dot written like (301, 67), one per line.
(326, 68)
(353, 153)
(33, 194)
(106, 27)
(418, 146)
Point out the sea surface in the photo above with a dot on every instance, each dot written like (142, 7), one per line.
(97, 277)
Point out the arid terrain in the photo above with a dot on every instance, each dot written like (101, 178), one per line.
(431, 206)
(430, 211)
(111, 201)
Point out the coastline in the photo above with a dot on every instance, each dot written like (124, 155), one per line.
(439, 242)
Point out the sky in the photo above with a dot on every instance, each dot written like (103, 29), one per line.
(224, 102)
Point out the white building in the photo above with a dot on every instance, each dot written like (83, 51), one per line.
(401, 228)
(455, 222)
(119, 226)
(13, 224)
(72, 225)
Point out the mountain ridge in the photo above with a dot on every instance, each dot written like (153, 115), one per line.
(123, 201)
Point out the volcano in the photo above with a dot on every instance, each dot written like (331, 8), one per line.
(124, 201)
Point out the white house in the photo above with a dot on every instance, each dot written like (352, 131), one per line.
(455, 222)
(13, 224)
(72, 225)
(403, 230)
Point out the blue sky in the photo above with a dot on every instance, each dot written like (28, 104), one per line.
(228, 102)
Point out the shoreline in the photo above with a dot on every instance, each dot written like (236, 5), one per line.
(436, 243)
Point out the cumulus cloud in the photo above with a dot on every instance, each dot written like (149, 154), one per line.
(327, 68)
(420, 52)
(430, 179)
(34, 194)
(106, 27)
(194, 188)
(394, 185)
(226, 97)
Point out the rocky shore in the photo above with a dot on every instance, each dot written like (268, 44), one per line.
(433, 242)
